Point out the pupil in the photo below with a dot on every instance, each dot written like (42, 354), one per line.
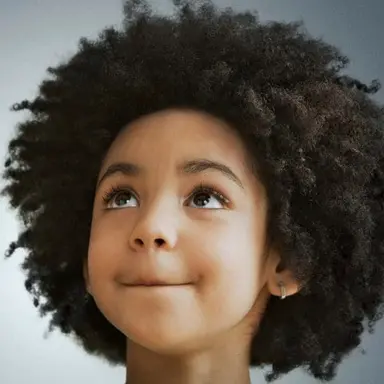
(201, 197)
(122, 199)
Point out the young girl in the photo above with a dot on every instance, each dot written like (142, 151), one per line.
(202, 193)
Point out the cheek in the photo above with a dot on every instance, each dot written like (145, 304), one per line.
(229, 261)
(231, 249)
(102, 261)
(103, 251)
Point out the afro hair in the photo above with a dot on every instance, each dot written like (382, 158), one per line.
(315, 136)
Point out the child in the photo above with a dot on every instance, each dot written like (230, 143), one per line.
(202, 193)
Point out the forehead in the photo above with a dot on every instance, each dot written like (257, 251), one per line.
(177, 135)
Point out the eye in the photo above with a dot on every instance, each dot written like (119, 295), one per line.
(118, 197)
(202, 197)
(206, 197)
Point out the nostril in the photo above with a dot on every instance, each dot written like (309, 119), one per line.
(159, 242)
(139, 242)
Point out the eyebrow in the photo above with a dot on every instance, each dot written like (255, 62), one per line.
(194, 166)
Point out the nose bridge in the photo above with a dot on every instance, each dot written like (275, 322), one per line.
(159, 207)
(157, 221)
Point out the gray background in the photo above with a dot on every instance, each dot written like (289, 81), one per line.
(35, 34)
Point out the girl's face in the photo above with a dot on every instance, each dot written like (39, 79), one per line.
(177, 253)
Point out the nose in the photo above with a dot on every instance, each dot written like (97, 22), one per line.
(155, 229)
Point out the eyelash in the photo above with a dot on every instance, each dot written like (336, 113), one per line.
(201, 188)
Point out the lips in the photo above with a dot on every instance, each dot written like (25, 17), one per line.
(154, 283)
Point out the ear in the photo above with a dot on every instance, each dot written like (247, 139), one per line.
(86, 277)
(280, 281)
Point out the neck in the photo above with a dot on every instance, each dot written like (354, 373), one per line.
(218, 365)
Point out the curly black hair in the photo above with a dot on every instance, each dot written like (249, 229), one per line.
(315, 135)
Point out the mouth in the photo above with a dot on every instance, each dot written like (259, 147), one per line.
(149, 284)
(156, 285)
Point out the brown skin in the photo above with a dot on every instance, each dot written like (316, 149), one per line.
(198, 332)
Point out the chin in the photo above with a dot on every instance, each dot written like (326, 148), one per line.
(165, 339)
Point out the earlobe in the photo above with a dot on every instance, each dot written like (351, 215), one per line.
(281, 281)
(283, 284)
